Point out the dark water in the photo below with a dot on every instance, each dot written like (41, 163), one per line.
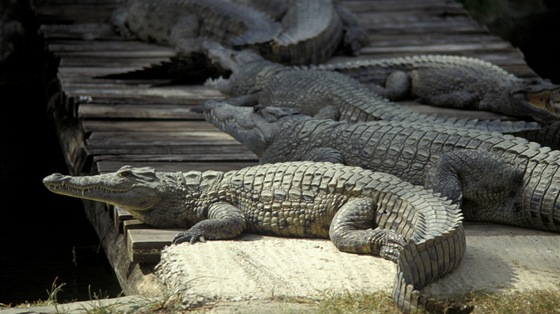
(532, 26)
(39, 230)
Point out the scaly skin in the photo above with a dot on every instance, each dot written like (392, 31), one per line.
(361, 212)
(182, 23)
(309, 16)
(313, 26)
(493, 177)
(455, 81)
(318, 93)
(308, 31)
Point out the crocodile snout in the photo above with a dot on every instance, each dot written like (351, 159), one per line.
(55, 177)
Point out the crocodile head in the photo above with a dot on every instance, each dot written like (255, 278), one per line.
(249, 69)
(254, 127)
(137, 189)
(160, 199)
(539, 99)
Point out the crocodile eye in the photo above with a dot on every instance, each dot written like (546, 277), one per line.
(125, 173)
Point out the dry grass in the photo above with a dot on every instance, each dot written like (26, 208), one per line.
(542, 302)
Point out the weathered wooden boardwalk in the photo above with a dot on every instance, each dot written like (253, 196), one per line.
(104, 124)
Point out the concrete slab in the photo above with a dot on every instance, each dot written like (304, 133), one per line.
(260, 274)
(499, 259)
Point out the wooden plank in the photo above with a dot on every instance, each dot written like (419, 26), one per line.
(148, 126)
(138, 112)
(76, 2)
(113, 46)
(438, 48)
(145, 245)
(170, 138)
(111, 165)
(110, 65)
(195, 153)
(184, 95)
(132, 224)
(381, 39)
(120, 215)
(452, 7)
(83, 31)
(72, 12)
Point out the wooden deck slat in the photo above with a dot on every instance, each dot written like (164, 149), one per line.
(197, 152)
(83, 31)
(148, 126)
(439, 48)
(148, 111)
(182, 94)
(144, 245)
(138, 138)
(61, 46)
(170, 164)
(101, 62)
(75, 11)
(360, 7)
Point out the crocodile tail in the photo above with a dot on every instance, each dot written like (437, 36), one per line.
(194, 68)
(541, 194)
(547, 135)
(420, 263)
(506, 126)
(312, 33)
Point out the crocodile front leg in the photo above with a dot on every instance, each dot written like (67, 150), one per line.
(224, 221)
(485, 187)
(351, 231)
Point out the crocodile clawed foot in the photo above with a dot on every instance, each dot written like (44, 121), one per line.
(188, 236)
(392, 248)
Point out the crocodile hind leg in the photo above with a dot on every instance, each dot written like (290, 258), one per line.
(351, 231)
(397, 86)
(223, 221)
(483, 185)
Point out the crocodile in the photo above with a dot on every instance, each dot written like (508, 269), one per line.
(320, 93)
(182, 23)
(309, 32)
(492, 177)
(456, 81)
(360, 211)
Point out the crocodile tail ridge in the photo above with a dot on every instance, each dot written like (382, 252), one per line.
(424, 261)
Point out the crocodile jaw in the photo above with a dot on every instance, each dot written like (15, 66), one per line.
(541, 99)
(255, 128)
(229, 59)
(549, 100)
(242, 124)
(113, 188)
